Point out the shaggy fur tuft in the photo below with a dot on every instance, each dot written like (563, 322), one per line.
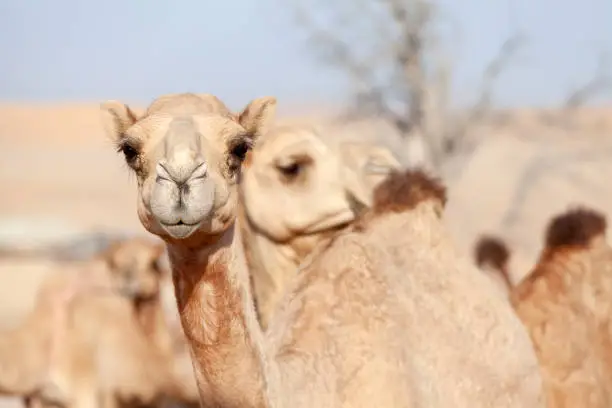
(491, 250)
(402, 191)
(576, 227)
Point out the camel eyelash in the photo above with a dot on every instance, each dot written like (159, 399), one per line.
(241, 141)
(125, 143)
(130, 150)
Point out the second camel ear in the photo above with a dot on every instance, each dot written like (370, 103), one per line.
(258, 115)
(369, 159)
(117, 117)
(365, 165)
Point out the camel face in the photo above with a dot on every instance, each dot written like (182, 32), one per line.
(134, 267)
(296, 185)
(186, 152)
(191, 169)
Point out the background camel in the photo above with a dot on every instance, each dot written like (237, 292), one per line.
(41, 334)
(566, 304)
(100, 342)
(337, 187)
(234, 364)
(377, 283)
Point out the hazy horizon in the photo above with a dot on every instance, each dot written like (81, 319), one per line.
(71, 51)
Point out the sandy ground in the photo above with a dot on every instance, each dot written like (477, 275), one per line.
(60, 176)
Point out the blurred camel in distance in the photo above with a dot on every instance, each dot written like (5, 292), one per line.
(106, 309)
(566, 304)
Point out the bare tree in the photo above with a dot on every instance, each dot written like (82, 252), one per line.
(599, 83)
(400, 71)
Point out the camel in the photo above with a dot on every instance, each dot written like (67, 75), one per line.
(419, 232)
(492, 255)
(37, 337)
(566, 304)
(96, 335)
(341, 335)
(273, 252)
(186, 151)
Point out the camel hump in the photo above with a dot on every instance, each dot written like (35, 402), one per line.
(576, 227)
(490, 250)
(404, 190)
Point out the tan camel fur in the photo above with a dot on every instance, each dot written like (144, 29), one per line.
(167, 325)
(146, 362)
(492, 256)
(349, 333)
(339, 185)
(154, 312)
(135, 362)
(100, 335)
(404, 323)
(566, 304)
(27, 351)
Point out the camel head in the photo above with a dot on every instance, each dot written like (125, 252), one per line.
(296, 185)
(186, 151)
(134, 267)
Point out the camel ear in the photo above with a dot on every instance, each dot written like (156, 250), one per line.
(117, 117)
(375, 160)
(366, 165)
(356, 190)
(258, 115)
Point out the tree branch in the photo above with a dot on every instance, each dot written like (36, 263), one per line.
(480, 109)
(600, 82)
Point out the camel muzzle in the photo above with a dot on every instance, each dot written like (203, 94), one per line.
(180, 207)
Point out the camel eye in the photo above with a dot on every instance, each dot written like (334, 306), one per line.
(129, 152)
(240, 150)
(294, 169)
(290, 171)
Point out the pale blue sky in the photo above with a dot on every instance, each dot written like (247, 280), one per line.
(78, 50)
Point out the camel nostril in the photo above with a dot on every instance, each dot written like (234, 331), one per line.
(200, 172)
(181, 173)
(162, 172)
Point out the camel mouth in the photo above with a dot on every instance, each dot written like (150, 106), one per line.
(180, 230)
(332, 221)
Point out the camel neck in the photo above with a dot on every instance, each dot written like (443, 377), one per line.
(218, 317)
